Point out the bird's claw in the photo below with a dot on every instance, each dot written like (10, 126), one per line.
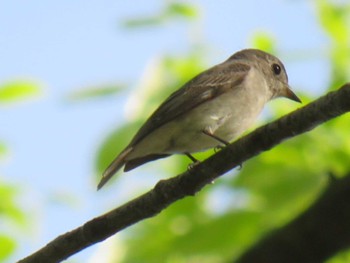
(192, 165)
(218, 148)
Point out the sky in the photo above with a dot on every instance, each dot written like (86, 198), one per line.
(68, 45)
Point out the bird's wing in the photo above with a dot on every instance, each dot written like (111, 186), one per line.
(206, 86)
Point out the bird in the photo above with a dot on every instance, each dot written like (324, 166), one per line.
(208, 111)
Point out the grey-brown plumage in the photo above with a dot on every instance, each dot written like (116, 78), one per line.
(223, 101)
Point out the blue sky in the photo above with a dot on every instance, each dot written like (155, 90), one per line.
(68, 45)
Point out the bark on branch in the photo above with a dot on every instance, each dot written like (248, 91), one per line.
(190, 182)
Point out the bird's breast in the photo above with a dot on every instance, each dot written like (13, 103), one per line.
(227, 116)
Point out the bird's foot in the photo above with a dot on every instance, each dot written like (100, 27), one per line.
(192, 165)
(210, 134)
(194, 161)
(218, 148)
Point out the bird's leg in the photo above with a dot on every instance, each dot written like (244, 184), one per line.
(191, 157)
(210, 134)
(219, 147)
(194, 161)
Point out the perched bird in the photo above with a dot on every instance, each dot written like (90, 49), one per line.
(208, 111)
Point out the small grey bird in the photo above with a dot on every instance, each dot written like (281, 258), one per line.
(208, 111)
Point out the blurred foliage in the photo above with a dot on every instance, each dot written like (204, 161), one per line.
(12, 215)
(18, 91)
(342, 257)
(335, 20)
(171, 10)
(264, 41)
(7, 245)
(273, 187)
(3, 150)
(10, 208)
(12, 218)
(93, 93)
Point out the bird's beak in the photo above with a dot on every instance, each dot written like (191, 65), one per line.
(288, 93)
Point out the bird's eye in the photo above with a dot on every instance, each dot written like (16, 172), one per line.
(276, 69)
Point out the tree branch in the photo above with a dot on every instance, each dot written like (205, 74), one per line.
(314, 236)
(188, 183)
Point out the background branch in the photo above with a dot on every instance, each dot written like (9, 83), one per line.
(315, 235)
(168, 191)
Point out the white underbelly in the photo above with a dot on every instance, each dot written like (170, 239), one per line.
(185, 134)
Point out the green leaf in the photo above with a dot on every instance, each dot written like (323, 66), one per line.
(264, 42)
(142, 22)
(182, 10)
(3, 150)
(182, 69)
(18, 91)
(170, 12)
(7, 245)
(341, 257)
(334, 18)
(95, 93)
(9, 208)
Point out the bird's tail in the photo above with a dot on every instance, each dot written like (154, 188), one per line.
(114, 167)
